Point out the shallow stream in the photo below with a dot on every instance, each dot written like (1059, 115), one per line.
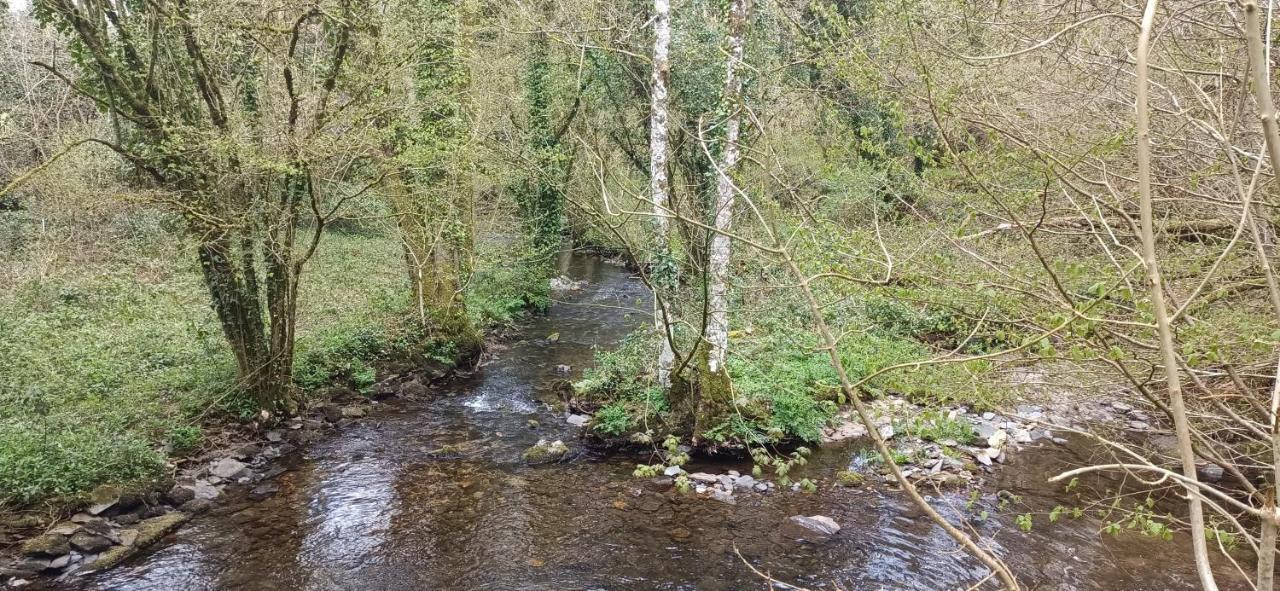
(433, 495)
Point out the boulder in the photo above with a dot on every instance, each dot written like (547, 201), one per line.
(543, 452)
(179, 494)
(814, 528)
(744, 482)
(50, 544)
(90, 543)
(102, 498)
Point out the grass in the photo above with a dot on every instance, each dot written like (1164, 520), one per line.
(116, 362)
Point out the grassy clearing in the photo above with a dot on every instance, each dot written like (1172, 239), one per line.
(113, 360)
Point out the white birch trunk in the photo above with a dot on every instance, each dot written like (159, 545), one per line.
(718, 323)
(659, 184)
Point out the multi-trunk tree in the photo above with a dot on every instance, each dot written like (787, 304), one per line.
(231, 114)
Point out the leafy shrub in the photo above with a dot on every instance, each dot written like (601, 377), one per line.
(185, 438)
(613, 419)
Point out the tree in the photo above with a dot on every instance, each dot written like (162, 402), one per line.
(428, 183)
(664, 267)
(228, 113)
(714, 386)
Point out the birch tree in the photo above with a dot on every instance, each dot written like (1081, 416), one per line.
(664, 270)
(717, 332)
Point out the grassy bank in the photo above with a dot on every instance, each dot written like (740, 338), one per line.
(114, 361)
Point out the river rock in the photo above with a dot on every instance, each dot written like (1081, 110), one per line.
(543, 452)
(128, 518)
(563, 369)
(673, 471)
(180, 494)
(997, 439)
(578, 420)
(331, 412)
(90, 543)
(704, 478)
(228, 468)
(814, 528)
(102, 498)
(1209, 472)
(1022, 436)
(723, 496)
(50, 544)
(744, 482)
(354, 412)
(845, 430)
(726, 481)
(886, 431)
(203, 491)
(414, 389)
(60, 562)
(66, 528)
(147, 533)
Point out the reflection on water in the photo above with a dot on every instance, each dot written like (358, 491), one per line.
(376, 508)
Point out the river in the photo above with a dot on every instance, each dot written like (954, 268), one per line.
(433, 495)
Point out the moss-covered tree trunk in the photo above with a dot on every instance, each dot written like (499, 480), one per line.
(715, 390)
(428, 183)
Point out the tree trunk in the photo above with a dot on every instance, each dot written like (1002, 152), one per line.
(718, 259)
(663, 271)
(714, 391)
(1155, 285)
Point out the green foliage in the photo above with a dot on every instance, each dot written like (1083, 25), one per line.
(184, 439)
(500, 293)
(44, 459)
(622, 381)
(937, 425)
(613, 419)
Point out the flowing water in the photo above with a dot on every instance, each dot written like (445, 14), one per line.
(433, 495)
